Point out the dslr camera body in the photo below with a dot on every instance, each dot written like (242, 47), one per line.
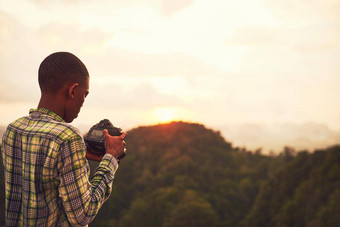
(94, 139)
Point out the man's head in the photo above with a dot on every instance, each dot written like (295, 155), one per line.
(65, 78)
(60, 68)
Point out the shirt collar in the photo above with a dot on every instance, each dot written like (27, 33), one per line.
(45, 113)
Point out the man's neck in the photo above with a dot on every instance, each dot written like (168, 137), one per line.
(53, 103)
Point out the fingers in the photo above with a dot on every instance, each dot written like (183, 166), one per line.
(124, 134)
(106, 134)
(115, 145)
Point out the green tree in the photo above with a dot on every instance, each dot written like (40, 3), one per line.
(192, 211)
(151, 209)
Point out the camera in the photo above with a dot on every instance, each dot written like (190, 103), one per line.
(94, 139)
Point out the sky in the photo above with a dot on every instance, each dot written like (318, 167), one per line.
(264, 73)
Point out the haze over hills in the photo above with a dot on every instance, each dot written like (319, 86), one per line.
(275, 137)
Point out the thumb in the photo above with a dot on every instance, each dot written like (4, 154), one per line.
(105, 133)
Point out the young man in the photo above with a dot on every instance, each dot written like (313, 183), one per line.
(46, 173)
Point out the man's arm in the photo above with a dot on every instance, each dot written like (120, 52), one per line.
(80, 197)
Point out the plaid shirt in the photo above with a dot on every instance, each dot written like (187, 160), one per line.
(47, 175)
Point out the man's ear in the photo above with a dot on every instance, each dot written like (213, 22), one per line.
(72, 90)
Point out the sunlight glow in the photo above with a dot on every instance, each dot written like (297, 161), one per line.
(165, 114)
(153, 62)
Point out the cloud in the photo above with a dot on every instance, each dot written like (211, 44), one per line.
(297, 38)
(15, 61)
(44, 2)
(143, 96)
(56, 35)
(119, 78)
(133, 81)
(170, 7)
(116, 61)
(24, 48)
(165, 7)
(304, 12)
(182, 80)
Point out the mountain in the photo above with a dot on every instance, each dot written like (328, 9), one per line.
(184, 174)
(306, 192)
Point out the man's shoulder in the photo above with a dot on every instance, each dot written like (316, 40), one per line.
(62, 130)
(49, 128)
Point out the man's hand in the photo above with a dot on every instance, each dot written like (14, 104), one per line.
(114, 145)
(93, 157)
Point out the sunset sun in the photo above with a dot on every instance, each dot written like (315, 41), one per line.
(165, 114)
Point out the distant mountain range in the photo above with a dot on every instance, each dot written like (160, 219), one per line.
(275, 137)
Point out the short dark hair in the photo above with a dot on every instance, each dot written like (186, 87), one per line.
(58, 69)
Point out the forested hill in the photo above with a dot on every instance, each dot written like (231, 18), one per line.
(305, 192)
(183, 174)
